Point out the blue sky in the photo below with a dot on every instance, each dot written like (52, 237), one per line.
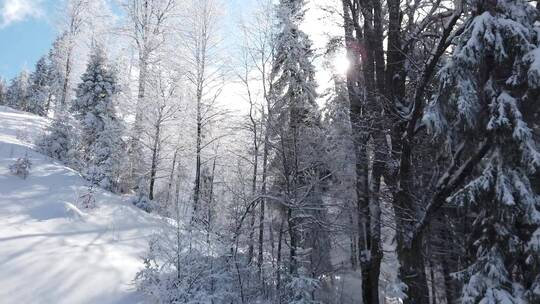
(25, 34)
(27, 31)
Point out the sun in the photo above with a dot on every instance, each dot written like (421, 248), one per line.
(341, 64)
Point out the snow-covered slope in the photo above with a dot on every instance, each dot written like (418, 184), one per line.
(51, 251)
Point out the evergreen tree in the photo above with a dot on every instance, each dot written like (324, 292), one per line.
(17, 95)
(479, 111)
(297, 133)
(60, 141)
(3, 92)
(40, 88)
(101, 130)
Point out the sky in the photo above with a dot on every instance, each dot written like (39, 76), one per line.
(26, 34)
(27, 30)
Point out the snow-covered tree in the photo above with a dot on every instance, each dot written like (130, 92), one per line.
(101, 143)
(18, 92)
(297, 164)
(74, 13)
(148, 24)
(60, 140)
(3, 91)
(486, 85)
(40, 94)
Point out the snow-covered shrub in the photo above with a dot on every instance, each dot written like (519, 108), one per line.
(183, 267)
(300, 288)
(142, 201)
(59, 140)
(21, 167)
(87, 200)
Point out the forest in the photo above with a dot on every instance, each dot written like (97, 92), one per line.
(304, 151)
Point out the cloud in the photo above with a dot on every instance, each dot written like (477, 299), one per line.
(13, 11)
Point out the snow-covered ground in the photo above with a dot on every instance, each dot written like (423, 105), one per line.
(52, 250)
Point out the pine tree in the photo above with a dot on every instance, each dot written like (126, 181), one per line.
(101, 130)
(297, 131)
(485, 87)
(40, 88)
(17, 95)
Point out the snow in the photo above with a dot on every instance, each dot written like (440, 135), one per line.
(51, 249)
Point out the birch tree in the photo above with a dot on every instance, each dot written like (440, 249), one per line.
(204, 72)
(148, 24)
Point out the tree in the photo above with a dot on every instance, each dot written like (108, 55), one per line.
(18, 92)
(60, 140)
(40, 88)
(204, 72)
(3, 91)
(75, 14)
(160, 112)
(256, 61)
(101, 143)
(148, 27)
(296, 133)
(388, 87)
(492, 76)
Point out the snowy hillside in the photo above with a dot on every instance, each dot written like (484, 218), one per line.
(51, 250)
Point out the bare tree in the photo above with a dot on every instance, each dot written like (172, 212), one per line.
(148, 25)
(74, 16)
(204, 71)
(256, 60)
(381, 84)
(161, 112)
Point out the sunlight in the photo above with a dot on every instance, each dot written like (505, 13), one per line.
(341, 64)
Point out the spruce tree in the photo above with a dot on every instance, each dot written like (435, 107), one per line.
(40, 92)
(59, 141)
(297, 131)
(101, 130)
(17, 95)
(480, 110)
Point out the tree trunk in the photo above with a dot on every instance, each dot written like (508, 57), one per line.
(210, 201)
(171, 177)
(413, 272)
(65, 85)
(196, 190)
(451, 296)
(135, 153)
(293, 243)
(153, 167)
(278, 260)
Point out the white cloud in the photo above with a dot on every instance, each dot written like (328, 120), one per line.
(13, 11)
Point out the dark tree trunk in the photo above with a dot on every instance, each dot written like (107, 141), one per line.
(293, 243)
(412, 273)
(278, 260)
(171, 177)
(153, 166)
(197, 186)
(361, 93)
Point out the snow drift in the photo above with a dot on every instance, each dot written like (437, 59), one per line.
(51, 249)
